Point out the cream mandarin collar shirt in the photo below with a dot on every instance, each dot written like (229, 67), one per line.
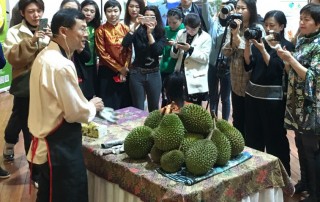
(54, 96)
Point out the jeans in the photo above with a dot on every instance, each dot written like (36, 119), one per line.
(142, 85)
(215, 93)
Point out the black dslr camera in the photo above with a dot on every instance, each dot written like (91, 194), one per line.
(231, 18)
(253, 33)
(228, 6)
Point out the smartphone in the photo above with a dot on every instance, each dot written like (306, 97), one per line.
(43, 23)
(181, 43)
(148, 19)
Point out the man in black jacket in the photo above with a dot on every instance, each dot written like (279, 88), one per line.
(187, 6)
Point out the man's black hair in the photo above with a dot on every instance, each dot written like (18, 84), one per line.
(65, 18)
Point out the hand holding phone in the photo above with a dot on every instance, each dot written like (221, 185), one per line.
(43, 23)
(181, 43)
(147, 19)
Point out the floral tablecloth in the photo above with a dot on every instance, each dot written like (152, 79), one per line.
(140, 178)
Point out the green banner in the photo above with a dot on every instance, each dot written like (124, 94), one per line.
(5, 73)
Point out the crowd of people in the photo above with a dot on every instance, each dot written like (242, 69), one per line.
(66, 72)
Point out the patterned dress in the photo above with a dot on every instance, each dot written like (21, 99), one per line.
(303, 98)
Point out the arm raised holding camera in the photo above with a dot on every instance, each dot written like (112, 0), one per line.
(150, 28)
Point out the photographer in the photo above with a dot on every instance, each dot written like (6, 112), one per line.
(302, 109)
(148, 39)
(233, 48)
(218, 76)
(265, 99)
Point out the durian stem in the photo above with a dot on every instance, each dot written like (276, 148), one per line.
(171, 106)
(210, 134)
(214, 122)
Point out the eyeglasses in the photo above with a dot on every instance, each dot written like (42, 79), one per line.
(84, 30)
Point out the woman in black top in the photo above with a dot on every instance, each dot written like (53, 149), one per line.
(149, 40)
(265, 92)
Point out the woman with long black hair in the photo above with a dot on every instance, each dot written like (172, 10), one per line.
(233, 48)
(148, 39)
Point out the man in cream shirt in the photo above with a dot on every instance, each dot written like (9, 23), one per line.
(57, 107)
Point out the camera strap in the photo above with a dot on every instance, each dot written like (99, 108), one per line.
(221, 58)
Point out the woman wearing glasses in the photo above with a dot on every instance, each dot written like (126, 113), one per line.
(302, 109)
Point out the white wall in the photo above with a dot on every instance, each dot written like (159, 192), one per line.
(290, 7)
(52, 6)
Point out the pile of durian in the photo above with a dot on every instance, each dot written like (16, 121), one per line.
(190, 138)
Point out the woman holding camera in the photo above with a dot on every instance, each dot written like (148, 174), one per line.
(148, 40)
(302, 109)
(265, 92)
(233, 48)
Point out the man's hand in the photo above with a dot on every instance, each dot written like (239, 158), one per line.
(98, 103)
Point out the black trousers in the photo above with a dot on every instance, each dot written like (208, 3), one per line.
(311, 158)
(114, 95)
(19, 121)
(238, 112)
(264, 123)
(89, 84)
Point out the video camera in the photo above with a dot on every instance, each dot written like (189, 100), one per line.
(253, 33)
(230, 20)
(228, 6)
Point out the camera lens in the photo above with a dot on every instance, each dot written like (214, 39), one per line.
(252, 34)
(227, 9)
(233, 24)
